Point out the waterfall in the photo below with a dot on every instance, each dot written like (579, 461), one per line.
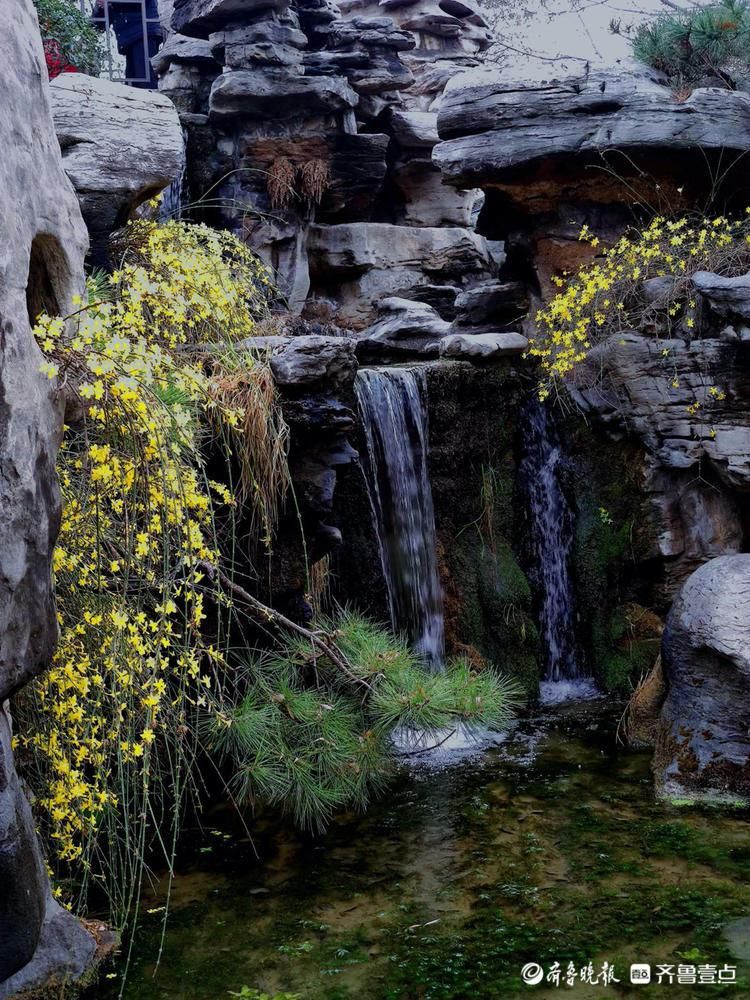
(395, 424)
(551, 542)
(170, 207)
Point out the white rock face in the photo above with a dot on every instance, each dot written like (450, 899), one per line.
(42, 246)
(120, 146)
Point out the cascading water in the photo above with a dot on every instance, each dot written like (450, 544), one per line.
(395, 423)
(551, 542)
(170, 207)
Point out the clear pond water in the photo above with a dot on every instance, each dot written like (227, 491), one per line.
(547, 846)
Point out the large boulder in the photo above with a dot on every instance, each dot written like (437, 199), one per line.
(272, 93)
(120, 146)
(200, 17)
(42, 246)
(483, 346)
(403, 328)
(703, 748)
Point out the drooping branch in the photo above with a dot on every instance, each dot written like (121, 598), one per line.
(324, 644)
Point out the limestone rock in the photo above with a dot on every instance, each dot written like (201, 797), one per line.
(349, 249)
(120, 146)
(377, 32)
(427, 201)
(695, 460)
(261, 43)
(726, 296)
(272, 93)
(312, 360)
(483, 346)
(414, 129)
(487, 301)
(703, 750)
(495, 123)
(371, 261)
(181, 49)
(199, 17)
(403, 327)
(639, 386)
(42, 246)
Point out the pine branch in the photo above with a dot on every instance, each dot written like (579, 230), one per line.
(323, 643)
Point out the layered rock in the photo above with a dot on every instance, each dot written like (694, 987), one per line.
(120, 146)
(508, 132)
(42, 245)
(588, 147)
(364, 262)
(314, 374)
(686, 403)
(703, 748)
(319, 120)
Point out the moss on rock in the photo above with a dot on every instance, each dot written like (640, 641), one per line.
(473, 415)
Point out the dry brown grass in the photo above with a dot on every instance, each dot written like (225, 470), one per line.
(319, 585)
(639, 722)
(280, 182)
(260, 439)
(315, 179)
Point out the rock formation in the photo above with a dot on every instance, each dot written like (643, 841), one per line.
(42, 245)
(703, 749)
(314, 375)
(120, 146)
(595, 147)
(424, 210)
(696, 473)
(310, 130)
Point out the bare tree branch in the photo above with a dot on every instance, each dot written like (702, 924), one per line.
(323, 643)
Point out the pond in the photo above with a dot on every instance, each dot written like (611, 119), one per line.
(545, 847)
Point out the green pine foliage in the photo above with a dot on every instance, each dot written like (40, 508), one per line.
(63, 23)
(311, 741)
(713, 41)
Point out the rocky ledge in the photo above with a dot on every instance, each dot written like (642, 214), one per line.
(504, 129)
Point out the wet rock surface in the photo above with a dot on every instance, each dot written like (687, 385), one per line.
(696, 473)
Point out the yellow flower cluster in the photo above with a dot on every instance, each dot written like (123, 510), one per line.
(106, 727)
(606, 296)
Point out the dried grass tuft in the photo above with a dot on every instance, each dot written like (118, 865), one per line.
(280, 182)
(315, 179)
(260, 439)
(639, 721)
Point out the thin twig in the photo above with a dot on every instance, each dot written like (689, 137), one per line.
(316, 639)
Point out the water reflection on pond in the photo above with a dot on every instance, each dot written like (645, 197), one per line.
(547, 846)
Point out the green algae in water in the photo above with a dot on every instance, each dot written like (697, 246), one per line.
(548, 847)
